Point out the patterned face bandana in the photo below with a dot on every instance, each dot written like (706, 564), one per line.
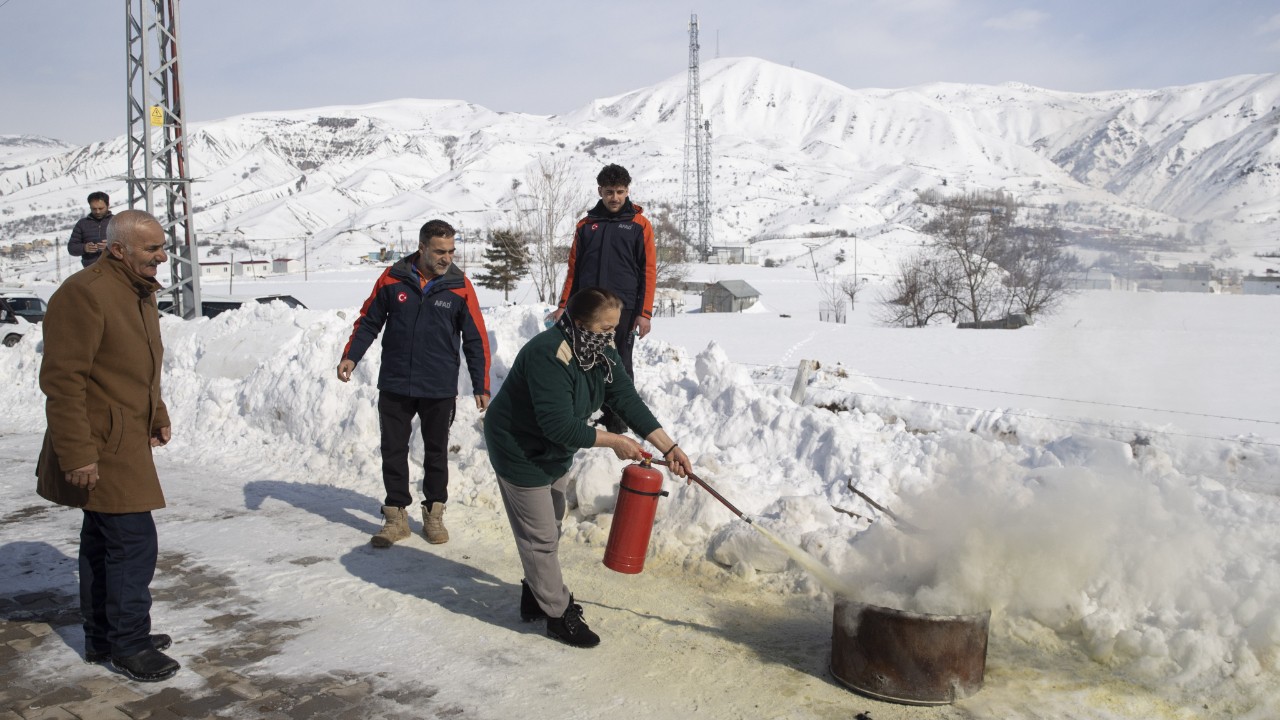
(589, 346)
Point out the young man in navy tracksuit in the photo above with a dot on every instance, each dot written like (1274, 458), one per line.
(613, 248)
(429, 309)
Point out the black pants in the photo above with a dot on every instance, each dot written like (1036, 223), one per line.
(625, 341)
(117, 562)
(395, 416)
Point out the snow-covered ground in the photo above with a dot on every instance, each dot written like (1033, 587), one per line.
(1105, 482)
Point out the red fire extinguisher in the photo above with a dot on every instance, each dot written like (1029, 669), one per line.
(638, 495)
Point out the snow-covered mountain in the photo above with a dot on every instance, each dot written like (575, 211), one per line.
(19, 150)
(795, 155)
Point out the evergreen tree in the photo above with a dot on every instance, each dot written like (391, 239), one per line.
(505, 262)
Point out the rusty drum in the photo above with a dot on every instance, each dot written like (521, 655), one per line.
(905, 657)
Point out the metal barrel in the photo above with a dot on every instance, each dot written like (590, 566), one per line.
(909, 658)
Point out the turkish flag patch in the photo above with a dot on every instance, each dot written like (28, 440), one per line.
(402, 296)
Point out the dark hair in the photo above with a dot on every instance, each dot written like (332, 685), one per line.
(435, 229)
(614, 176)
(586, 304)
(99, 195)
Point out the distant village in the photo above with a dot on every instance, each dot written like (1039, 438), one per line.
(1131, 275)
(1186, 277)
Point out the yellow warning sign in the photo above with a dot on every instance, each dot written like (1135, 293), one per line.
(157, 115)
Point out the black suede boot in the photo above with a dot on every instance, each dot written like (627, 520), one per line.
(571, 629)
(150, 665)
(159, 642)
(530, 610)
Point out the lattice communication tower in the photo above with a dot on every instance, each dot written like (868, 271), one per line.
(159, 180)
(695, 215)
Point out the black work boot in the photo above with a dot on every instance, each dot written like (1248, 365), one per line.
(571, 629)
(159, 642)
(530, 610)
(150, 665)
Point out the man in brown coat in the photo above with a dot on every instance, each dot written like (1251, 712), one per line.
(101, 380)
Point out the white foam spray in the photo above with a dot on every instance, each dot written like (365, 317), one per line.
(824, 574)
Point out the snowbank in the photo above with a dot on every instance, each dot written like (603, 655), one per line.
(1155, 557)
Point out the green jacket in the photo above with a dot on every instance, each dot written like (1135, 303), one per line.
(538, 419)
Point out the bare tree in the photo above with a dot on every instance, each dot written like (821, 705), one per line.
(971, 233)
(831, 308)
(851, 287)
(545, 207)
(671, 245)
(981, 264)
(915, 297)
(1039, 271)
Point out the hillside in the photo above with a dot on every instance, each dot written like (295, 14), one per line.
(796, 155)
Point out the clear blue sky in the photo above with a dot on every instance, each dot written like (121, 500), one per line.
(64, 60)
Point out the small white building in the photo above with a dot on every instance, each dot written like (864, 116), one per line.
(730, 255)
(252, 268)
(282, 266)
(1189, 277)
(1262, 284)
(215, 270)
(1093, 279)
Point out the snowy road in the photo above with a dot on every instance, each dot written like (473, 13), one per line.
(445, 618)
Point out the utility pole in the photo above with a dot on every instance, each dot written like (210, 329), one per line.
(695, 219)
(158, 177)
(853, 299)
(462, 240)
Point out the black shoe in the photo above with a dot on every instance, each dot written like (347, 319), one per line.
(150, 665)
(570, 628)
(159, 642)
(530, 610)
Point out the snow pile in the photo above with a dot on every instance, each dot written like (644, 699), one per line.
(1155, 558)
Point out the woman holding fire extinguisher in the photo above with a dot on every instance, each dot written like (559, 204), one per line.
(536, 424)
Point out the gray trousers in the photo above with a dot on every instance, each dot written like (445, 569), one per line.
(535, 514)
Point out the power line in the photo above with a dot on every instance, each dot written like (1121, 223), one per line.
(1039, 397)
(1093, 423)
(1083, 402)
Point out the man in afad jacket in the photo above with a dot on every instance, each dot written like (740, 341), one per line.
(613, 248)
(101, 378)
(429, 309)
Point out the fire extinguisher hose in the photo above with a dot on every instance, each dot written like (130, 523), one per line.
(711, 490)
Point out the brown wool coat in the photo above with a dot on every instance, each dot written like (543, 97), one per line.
(101, 380)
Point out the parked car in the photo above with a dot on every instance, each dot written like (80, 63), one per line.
(19, 311)
(215, 305)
